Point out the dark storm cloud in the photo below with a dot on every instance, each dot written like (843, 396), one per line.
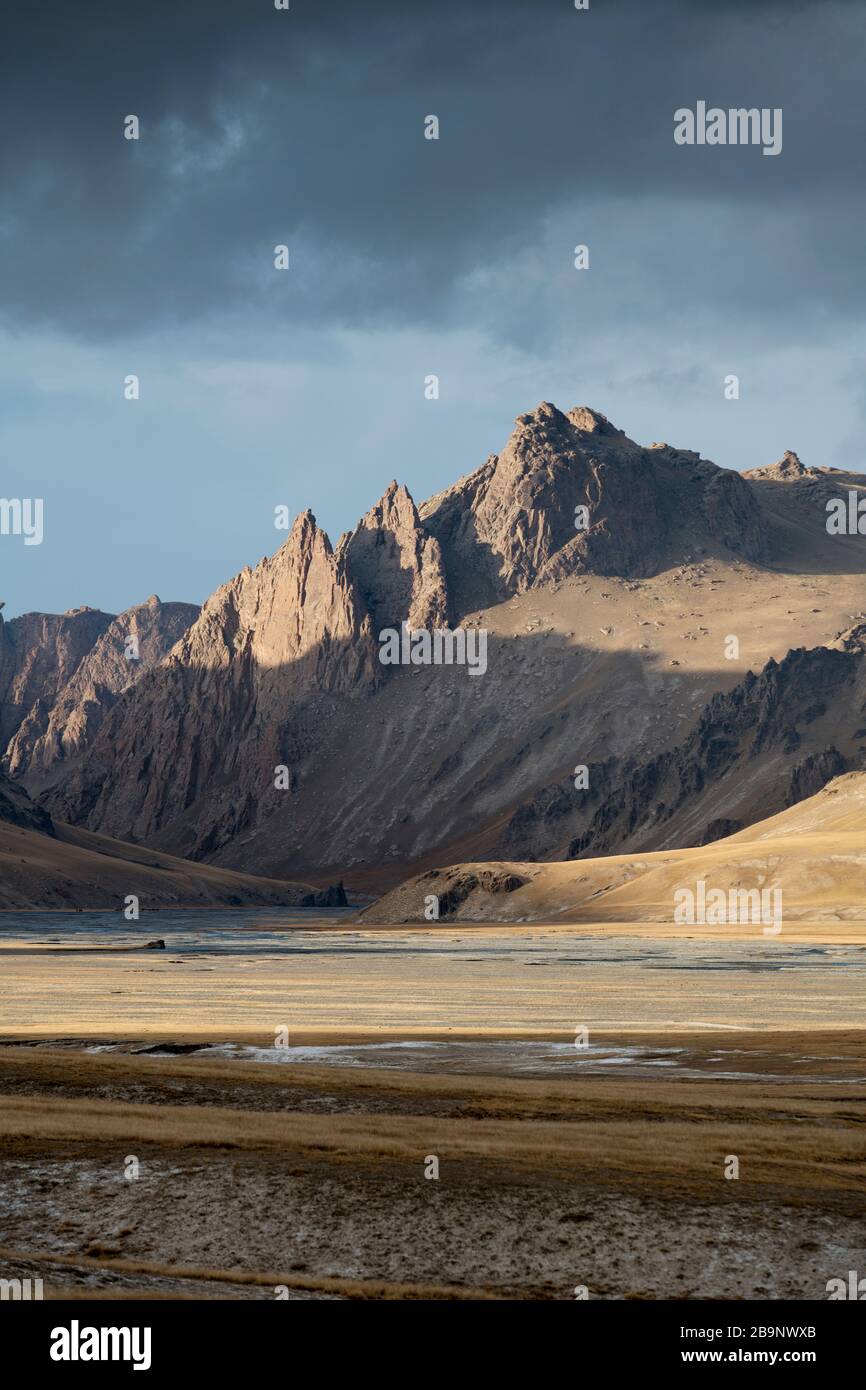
(261, 127)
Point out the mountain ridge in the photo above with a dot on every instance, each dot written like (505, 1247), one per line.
(275, 668)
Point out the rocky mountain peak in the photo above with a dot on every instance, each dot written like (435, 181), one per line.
(568, 493)
(502, 527)
(590, 421)
(297, 610)
(545, 415)
(790, 465)
(787, 469)
(396, 565)
(39, 653)
(571, 493)
(306, 533)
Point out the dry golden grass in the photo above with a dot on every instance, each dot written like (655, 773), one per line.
(672, 1151)
(813, 852)
(803, 1137)
(243, 1156)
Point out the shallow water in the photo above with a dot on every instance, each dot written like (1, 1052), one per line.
(282, 933)
(502, 1059)
(241, 931)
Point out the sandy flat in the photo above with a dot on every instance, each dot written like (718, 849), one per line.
(502, 983)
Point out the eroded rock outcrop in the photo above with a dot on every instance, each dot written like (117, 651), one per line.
(61, 727)
(788, 469)
(744, 753)
(813, 773)
(39, 654)
(396, 565)
(199, 738)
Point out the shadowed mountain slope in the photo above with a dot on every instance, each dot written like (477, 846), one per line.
(814, 854)
(608, 578)
(48, 865)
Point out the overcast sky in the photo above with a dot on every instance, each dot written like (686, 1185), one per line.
(407, 257)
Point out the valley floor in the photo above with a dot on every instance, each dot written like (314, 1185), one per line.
(707, 1141)
(498, 981)
(254, 1176)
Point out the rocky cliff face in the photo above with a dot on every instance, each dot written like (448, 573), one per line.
(514, 523)
(297, 612)
(39, 654)
(280, 669)
(48, 866)
(765, 745)
(200, 738)
(16, 808)
(61, 723)
(396, 566)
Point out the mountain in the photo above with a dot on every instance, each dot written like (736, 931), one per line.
(48, 865)
(39, 653)
(609, 579)
(511, 524)
(60, 674)
(17, 809)
(814, 855)
(772, 740)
